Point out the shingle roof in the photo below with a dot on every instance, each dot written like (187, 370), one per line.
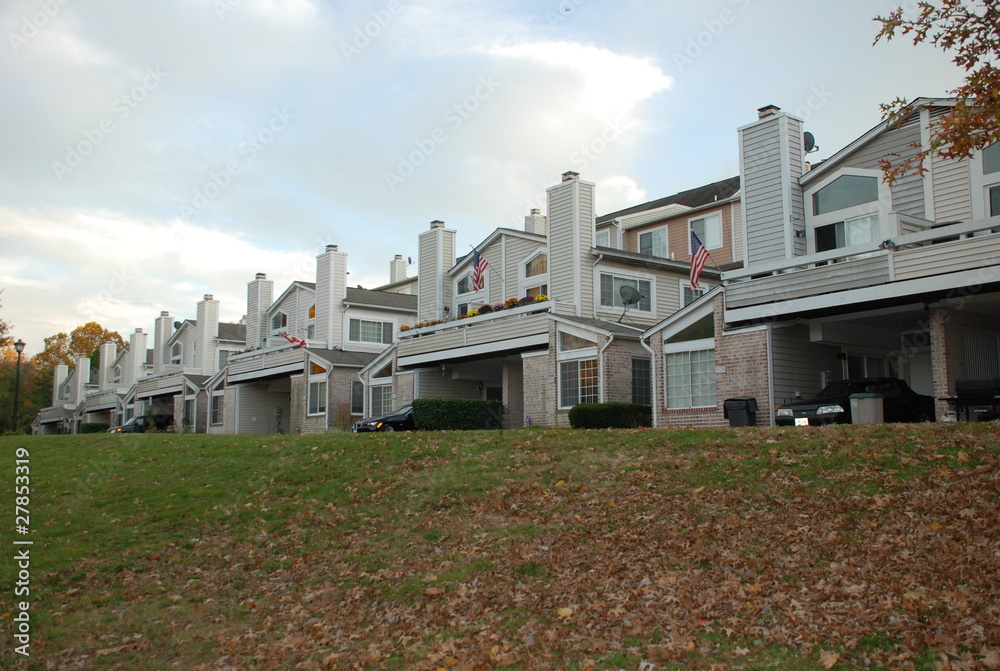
(702, 195)
(230, 331)
(382, 299)
(339, 357)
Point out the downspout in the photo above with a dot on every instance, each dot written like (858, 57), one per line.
(770, 372)
(653, 384)
(600, 359)
(596, 281)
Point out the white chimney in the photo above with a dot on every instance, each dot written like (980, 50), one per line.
(536, 222)
(136, 359)
(435, 258)
(162, 330)
(571, 236)
(397, 269)
(105, 374)
(260, 293)
(81, 379)
(60, 373)
(331, 290)
(206, 335)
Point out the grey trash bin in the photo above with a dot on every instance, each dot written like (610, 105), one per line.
(866, 409)
(740, 411)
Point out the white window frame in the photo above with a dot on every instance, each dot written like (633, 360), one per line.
(685, 285)
(355, 384)
(315, 384)
(275, 330)
(382, 329)
(177, 359)
(713, 218)
(881, 206)
(981, 185)
(637, 277)
(465, 276)
(220, 410)
(539, 282)
(593, 357)
(380, 388)
(702, 345)
(651, 231)
(218, 358)
(116, 375)
(604, 231)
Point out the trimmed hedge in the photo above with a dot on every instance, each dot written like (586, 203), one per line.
(457, 414)
(94, 427)
(610, 415)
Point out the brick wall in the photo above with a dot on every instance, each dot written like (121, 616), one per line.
(540, 389)
(338, 405)
(513, 394)
(618, 369)
(948, 348)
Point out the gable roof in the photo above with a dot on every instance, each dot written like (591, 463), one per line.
(493, 237)
(697, 197)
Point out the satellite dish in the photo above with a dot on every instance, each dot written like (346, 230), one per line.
(177, 325)
(809, 140)
(630, 296)
(409, 260)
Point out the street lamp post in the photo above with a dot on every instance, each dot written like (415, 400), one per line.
(18, 347)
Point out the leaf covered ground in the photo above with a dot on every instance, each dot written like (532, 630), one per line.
(841, 547)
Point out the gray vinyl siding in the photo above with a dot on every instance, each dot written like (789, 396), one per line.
(518, 252)
(433, 386)
(737, 231)
(762, 193)
(851, 274)
(586, 233)
(428, 279)
(561, 261)
(908, 191)
(257, 409)
(323, 298)
(796, 151)
(952, 190)
(798, 363)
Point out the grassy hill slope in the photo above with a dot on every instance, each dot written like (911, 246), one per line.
(842, 547)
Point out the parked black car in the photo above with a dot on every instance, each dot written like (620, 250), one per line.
(833, 404)
(400, 420)
(143, 424)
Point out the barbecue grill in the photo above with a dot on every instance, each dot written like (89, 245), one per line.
(971, 394)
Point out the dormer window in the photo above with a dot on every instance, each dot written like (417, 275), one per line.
(279, 321)
(116, 376)
(464, 285)
(846, 210)
(177, 354)
(534, 280)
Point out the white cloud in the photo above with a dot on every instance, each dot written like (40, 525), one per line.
(611, 84)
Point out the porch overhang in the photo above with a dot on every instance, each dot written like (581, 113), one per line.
(265, 373)
(493, 349)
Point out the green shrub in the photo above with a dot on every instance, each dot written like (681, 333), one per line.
(610, 415)
(94, 427)
(457, 414)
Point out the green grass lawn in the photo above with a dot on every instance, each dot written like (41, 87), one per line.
(836, 547)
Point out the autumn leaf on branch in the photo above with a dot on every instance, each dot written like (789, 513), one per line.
(973, 37)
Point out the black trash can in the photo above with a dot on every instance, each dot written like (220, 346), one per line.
(740, 411)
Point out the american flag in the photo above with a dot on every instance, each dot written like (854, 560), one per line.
(295, 341)
(699, 255)
(478, 271)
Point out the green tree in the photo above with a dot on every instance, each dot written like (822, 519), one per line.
(972, 35)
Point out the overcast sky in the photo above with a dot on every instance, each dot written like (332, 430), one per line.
(152, 152)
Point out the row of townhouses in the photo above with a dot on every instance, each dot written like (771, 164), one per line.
(816, 273)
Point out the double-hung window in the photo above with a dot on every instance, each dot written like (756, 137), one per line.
(708, 229)
(373, 332)
(654, 242)
(610, 291)
(690, 374)
(579, 377)
(317, 389)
